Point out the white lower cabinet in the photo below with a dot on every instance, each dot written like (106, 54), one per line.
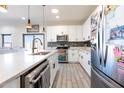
(53, 61)
(85, 61)
(13, 84)
(73, 55)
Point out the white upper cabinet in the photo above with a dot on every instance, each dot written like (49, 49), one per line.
(60, 30)
(79, 33)
(53, 31)
(86, 30)
(74, 32)
(51, 36)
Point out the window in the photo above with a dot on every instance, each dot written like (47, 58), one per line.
(6, 40)
(28, 39)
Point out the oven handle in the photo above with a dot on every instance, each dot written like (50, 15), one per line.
(33, 81)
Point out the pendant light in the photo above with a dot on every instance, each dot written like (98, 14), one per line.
(29, 25)
(43, 29)
(3, 8)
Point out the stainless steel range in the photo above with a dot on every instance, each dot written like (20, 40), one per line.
(62, 46)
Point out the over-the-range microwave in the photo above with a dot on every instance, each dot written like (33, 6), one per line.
(62, 37)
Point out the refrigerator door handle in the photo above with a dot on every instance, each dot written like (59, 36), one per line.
(99, 38)
(100, 59)
(105, 55)
(104, 46)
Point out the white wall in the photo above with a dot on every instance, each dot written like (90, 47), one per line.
(17, 32)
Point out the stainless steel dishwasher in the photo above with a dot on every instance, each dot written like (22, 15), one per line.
(39, 77)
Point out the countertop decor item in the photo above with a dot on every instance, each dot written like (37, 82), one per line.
(35, 28)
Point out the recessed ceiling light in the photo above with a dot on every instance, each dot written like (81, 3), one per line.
(55, 11)
(57, 17)
(23, 18)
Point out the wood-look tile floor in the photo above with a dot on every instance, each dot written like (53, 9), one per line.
(71, 76)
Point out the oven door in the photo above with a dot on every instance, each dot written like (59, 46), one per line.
(38, 78)
(43, 80)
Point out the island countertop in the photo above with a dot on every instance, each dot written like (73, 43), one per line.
(13, 65)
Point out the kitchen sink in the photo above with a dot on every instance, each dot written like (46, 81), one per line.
(40, 53)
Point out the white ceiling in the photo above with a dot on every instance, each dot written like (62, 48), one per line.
(69, 14)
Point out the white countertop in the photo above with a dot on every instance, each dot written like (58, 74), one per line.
(13, 65)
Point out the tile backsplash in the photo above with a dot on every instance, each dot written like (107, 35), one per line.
(71, 44)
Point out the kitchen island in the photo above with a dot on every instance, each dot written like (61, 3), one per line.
(13, 65)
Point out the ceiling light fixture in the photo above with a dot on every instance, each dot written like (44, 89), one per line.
(29, 25)
(55, 11)
(3, 8)
(57, 17)
(43, 30)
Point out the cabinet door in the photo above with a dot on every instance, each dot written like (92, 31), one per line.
(88, 63)
(80, 57)
(73, 55)
(79, 60)
(51, 34)
(83, 29)
(85, 61)
(72, 33)
(76, 55)
(79, 33)
(48, 36)
(60, 30)
(53, 61)
(86, 30)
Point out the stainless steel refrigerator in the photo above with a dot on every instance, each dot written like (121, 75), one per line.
(107, 47)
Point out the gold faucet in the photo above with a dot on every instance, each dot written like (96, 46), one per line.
(33, 44)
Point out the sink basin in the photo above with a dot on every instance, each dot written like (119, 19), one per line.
(40, 53)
